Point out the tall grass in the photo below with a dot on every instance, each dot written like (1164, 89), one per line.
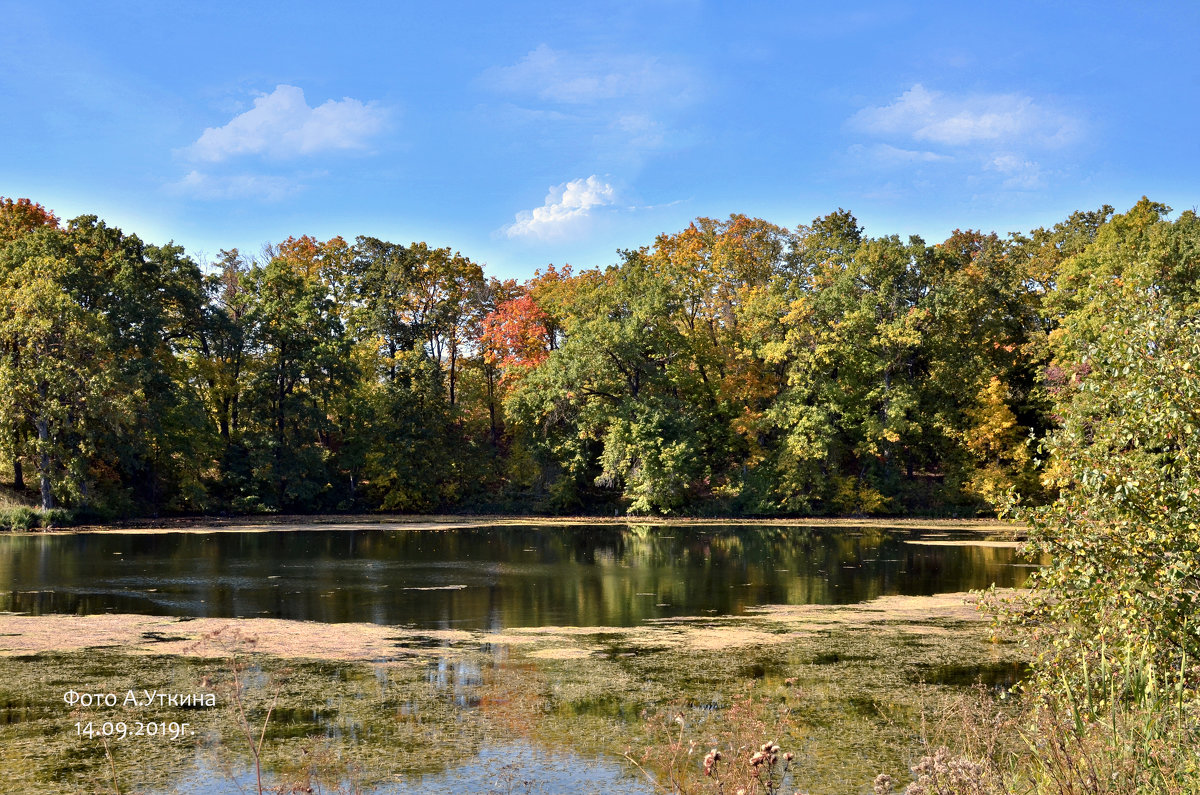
(1116, 726)
(23, 517)
(1122, 726)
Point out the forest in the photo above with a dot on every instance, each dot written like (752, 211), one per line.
(734, 368)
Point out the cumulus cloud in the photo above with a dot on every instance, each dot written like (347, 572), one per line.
(281, 124)
(577, 78)
(566, 204)
(199, 185)
(920, 114)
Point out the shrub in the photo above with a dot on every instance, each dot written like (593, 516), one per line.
(20, 518)
(1123, 536)
(56, 517)
(1114, 614)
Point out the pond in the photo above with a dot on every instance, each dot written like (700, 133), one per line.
(513, 658)
(488, 577)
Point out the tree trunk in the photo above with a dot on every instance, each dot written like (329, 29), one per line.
(18, 471)
(453, 362)
(280, 429)
(43, 428)
(491, 389)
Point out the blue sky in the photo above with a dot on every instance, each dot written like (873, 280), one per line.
(528, 133)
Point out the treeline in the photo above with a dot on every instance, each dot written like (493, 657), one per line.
(735, 367)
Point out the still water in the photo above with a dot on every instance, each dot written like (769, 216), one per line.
(478, 716)
(488, 577)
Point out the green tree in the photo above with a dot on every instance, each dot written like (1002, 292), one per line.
(137, 305)
(857, 367)
(412, 440)
(417, 319)
(647, 388)
(224, 366)
(303, 366)
(59, 374)
(1122, 535)
(17, 218)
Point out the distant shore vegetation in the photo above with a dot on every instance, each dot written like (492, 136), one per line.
(734, 368)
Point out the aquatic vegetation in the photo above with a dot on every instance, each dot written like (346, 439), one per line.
(370, 724)
(235, 646)
(446, 695)
(391, 709)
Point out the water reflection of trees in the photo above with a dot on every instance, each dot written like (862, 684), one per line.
(484, 577)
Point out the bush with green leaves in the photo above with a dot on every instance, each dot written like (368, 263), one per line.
(1123, 536)
(1114, 613)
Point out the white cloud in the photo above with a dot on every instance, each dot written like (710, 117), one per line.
(577, 78)
(641, 130)
(616, 109)
(1019, 173)
(888, 155)
(281, 124)
(239, 186)
(566, 205)
(923, 115)
(511, 113)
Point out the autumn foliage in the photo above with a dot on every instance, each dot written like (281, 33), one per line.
(516, 336)
(18, 216)
(734, 367)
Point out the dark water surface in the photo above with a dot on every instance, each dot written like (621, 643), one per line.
(486, 577)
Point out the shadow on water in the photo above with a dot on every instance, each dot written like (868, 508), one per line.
(1000, 675)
